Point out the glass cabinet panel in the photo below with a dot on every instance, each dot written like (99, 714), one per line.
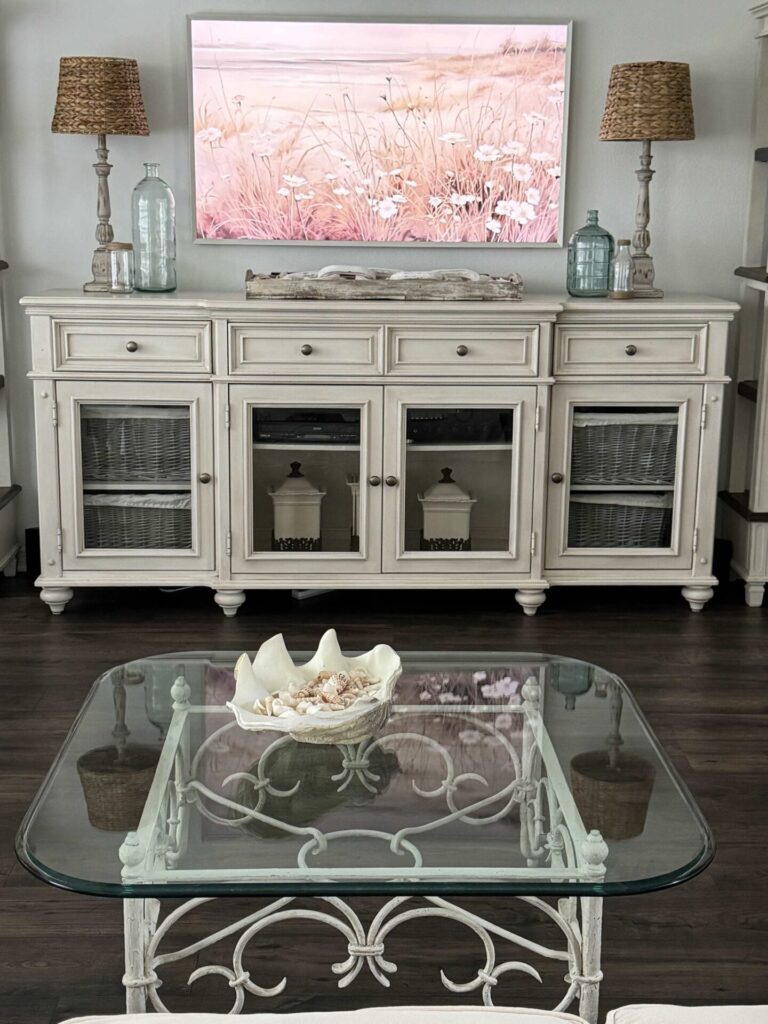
(306, 478)
(622, 476)
(306, 462)
(623, 470)
(136, 476)
(458, 479)
(463, 490)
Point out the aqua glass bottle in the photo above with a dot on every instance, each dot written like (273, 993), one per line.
(153, 214)
(590, 250)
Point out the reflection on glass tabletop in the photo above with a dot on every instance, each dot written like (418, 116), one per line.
(495, 773)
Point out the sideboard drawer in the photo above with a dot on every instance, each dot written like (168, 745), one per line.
(631, 350)
(182, 347)
(463, 351)
(305, 348)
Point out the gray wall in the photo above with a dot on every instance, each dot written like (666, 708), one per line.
(47, 187)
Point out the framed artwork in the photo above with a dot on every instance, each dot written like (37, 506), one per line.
(448, 132)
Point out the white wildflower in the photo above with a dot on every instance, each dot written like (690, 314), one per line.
(300, 196)
(452, 138)
(209, 135)
(283, 191)
(387, 208)
(331, 177)
(294, 180)
(533, 117)
(542, 156)
(522, 172)
(533, 195)
(554, 172)
(341, 191)
(513, 148)
(492, 225)
(486, 153)
(435, 201)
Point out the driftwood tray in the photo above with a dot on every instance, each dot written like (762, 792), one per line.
(487, 289)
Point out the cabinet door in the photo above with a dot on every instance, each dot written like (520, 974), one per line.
(458, 488)
(137, 476)
(623, 472)
(306, 478)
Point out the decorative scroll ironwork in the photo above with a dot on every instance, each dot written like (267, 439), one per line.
(365, 946)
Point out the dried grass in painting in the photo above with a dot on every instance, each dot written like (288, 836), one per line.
(360, 132)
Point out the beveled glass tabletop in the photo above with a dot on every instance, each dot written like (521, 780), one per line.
(497, 773)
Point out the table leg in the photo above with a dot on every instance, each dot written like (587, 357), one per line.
(591, 944)
(139, 920)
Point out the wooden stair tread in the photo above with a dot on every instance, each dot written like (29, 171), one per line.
(739, 502)
(7, 494)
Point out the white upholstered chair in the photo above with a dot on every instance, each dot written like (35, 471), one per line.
(661, 1014)
(377, 1015)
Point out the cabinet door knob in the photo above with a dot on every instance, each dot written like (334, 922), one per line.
(306, 350)
(461, 350)
(374, 481)
(132, 346)
(204, 478)
(631, 350)
(391, 481)
(557, 478)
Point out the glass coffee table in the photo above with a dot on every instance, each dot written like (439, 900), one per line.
(498, 775)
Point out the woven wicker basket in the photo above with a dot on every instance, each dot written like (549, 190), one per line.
(624, 448)
(111, 522)
(613, 799)
(116, 783)
(617, 523)
(135, 443)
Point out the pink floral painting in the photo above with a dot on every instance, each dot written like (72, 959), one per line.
(378, 132)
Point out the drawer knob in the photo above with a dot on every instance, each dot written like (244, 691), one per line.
(631, 350)
(374, 481)
(462, 350)
(557, 478)
(306, 350)
(132, 346)
(391, 481)
(204, 478)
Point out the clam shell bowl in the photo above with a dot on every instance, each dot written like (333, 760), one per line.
(273, 670)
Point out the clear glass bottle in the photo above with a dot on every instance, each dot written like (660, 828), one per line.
(589, 259)
(622, 270)
(153, 213)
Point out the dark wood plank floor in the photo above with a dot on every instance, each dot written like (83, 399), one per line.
(701, 680)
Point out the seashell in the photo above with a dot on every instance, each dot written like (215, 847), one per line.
(273, 693)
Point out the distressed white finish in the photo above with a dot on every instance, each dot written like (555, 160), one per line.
(553, 840)
(224, 356)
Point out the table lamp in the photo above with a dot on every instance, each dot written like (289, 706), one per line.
(100, 96)
(647, 102)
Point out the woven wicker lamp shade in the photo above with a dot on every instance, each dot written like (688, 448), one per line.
(648, 100)
(99, 96)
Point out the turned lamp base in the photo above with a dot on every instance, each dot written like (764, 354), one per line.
(643, 278)
(102, 277)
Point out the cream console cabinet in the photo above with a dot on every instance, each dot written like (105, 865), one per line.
(212, 441)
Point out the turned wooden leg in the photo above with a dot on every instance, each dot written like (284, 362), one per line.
(697, 597)
(56, 598)
(530, 600)
(753, 594)
(229, 601)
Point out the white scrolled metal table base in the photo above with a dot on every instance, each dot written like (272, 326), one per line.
(365, 946)
(554, 845)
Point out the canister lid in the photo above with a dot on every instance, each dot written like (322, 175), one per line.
(446, 488)
(297, 483)
(118, 246)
